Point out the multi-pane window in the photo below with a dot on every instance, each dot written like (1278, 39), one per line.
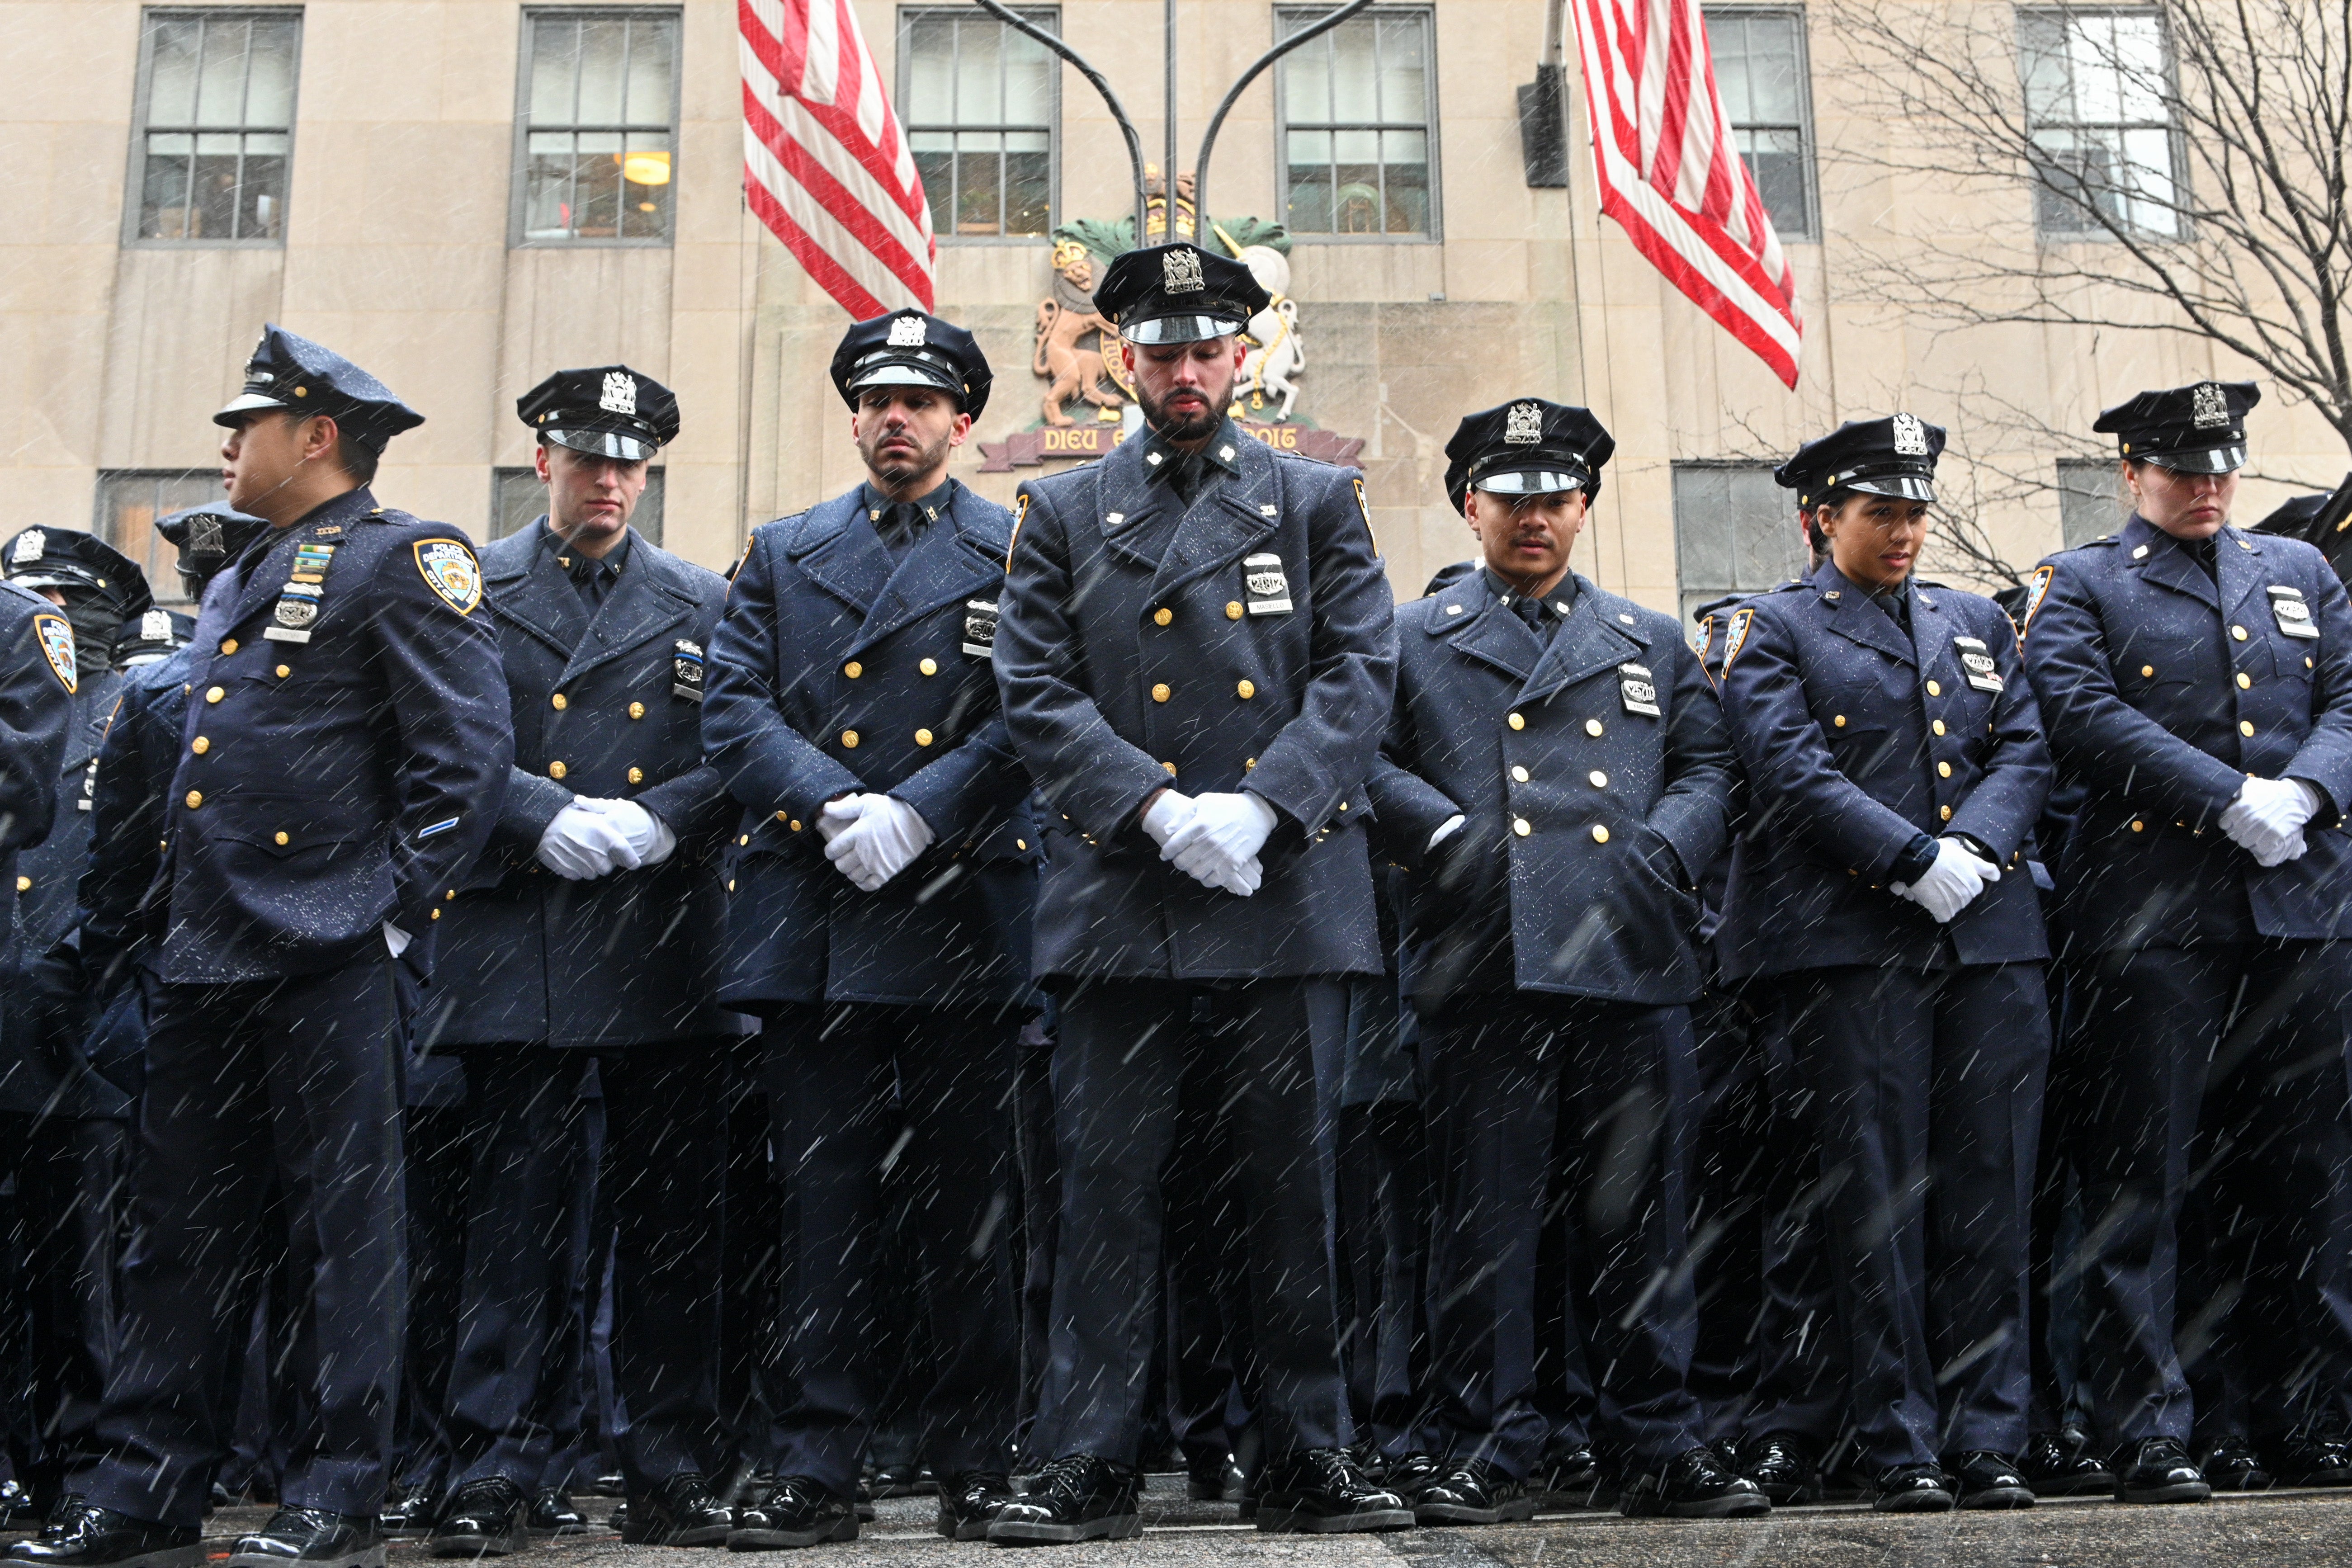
(129, 503)
(519, 499)
(2090, 498)
(980, 104)
(598, 126)
(2098, 90)
(1357, 108)
(1760, 64)
(215, 124)
(1735, 531)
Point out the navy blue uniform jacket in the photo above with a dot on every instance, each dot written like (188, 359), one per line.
(838, 671)
(1570, 762)
(1130, 659)
(628, 958)
(1857, 739)
(38, 677)
(327, 787)
(2164, 690)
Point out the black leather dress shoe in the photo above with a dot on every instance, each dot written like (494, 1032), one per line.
(1694, 1484)
(682, 1512)
(2230, 1464)
(1574, 1476)
(1474, 1491)
(409, 1512)
(907, 1479)
(101, 1538)
(484, 1519)
(1076, 1498)
(2159, 1469)
(1216, 1479)
(1319, 1491)
(2060, 1464)
(17, 1508)
(1987, 1479)
(796, 1511)
(2310, 1462)
(1913, 1488)
(969, 1501)
(310, 1538)
(1784, 1467)
(553, 1513)
(862, 1504)
(1410, 1474)
(618, 1519)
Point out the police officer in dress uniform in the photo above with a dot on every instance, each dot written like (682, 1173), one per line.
(880, 884)
(341, 765)
(1556, 764)
(592, 925)
(1197, 656)
(62, 1121)
(1895, 767)
(2198, 680)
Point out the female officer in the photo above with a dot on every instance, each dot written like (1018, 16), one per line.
(1895, 763)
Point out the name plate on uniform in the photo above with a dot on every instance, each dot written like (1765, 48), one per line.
(979, 628)
(2293, 614)
(1637, 690)
(1982, 673)
(1267, 584)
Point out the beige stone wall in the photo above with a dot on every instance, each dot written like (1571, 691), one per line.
(396, 254)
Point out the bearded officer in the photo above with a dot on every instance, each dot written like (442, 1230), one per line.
(341, 765)
(591, 926)
(879, 891)
(1197, 658)
(2198, 680)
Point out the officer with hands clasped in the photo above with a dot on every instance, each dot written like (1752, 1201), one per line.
(591, 926)
(1555, 766)
(341, 765)
(2198, 682)
(879, 894)
(1197, 657)
(1895, 767)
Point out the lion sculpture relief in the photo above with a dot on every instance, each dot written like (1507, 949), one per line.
(1062, 320)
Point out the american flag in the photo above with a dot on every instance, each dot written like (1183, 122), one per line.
(826, 163)
(1671, 176)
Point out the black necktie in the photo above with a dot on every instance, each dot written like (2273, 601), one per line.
(1537, 613)
(898, 525)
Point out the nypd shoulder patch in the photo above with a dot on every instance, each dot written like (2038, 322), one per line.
(56, 638)
(1732, 644)
(1365, 506)
(450, 570)
(2035, 595)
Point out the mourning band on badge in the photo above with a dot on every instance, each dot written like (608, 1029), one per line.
(304, 590)
(1266, 585)
(1638, 690)
(686, 670)
(1982, 673)
(2293, 615)
(979, 628)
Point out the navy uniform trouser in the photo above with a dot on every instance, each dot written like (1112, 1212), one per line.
(1925, 1090)
(855, 1089)
(58, 1291)
(298, 1082)
(1800, 1371)
(1533, 1102)
(1120, 1066)
(2227, 1064)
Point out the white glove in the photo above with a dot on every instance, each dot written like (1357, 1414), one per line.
(1168, 814)
(837, 815)
(883, 839)
(397, 939)
(1218, 847)
(1958, 875)
(649, 837)
(2266, 819)
(583, 843)
(1445, 830)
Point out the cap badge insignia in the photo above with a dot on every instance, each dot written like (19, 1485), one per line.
(57, 647)
(30, 545)
(910, 332)
(1180, 272)
(1910, 436)
(451, 572)
(2209, 406)
(620, 393)
(155, 625)
(1523, 425)
(205, 536)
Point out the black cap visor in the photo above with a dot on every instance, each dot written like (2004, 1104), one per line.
(1902, 487)
(248, 402)
(51, 575)
(627, 446)
(2205, 460)
(876, 370)
(1185, 328)
(1543, 482)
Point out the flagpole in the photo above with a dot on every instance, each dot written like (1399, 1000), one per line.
(1167, 174)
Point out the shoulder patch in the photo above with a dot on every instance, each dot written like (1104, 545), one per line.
(2035, 593)
(1738, 640)
(57, 639)
(1365, 508)
(1019, 516)
(450, 570)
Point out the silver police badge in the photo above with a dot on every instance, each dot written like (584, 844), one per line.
(298, 605)
(1180, 272)
(2209, 406)
(619, 394)
(1523, 424)
(29, 545)
(910, 332)
(1267, 585)
(979, 628)
(1637, 689)
(686, 670)
(1982, 673)
(1910, 436)
(2293, 614)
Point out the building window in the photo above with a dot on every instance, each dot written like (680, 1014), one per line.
(1735, 531)
(215, 125)
(129, 503)
(981, 103)
(597, 127)
(1760, 64)
(1357, 109)
(2097, 94)
(517, 500)
(2090, 498)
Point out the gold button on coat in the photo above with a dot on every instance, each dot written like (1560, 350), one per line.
(1938, 726)
(922, 737)
(2138, 827)
(1599, 780)
(2239, 633)
(1170, 768)
(559, 701)
(228, 646)
(1233, 609)
(1516, 721)
(852, 670)
(1518, 774)
(1839, 721)
(1592, 727)
(2244, 681)
(436, 913)
(284, 670)
(1934, 689)
(929, 666)
(555, 770)
(2245, 727)
(24, 884)
(1600, 834)
(200, 745)
(1522, 827)
(636, 775)
(1947, 811)
(1162, 615)
(796, 824)
(744, 838)
(1159, 692)
(1245, 690)
(2146, 670)
(214, 694)
(1943, 770)
(195, 798)
(636, 710)
(849, 739)
(283, 838)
